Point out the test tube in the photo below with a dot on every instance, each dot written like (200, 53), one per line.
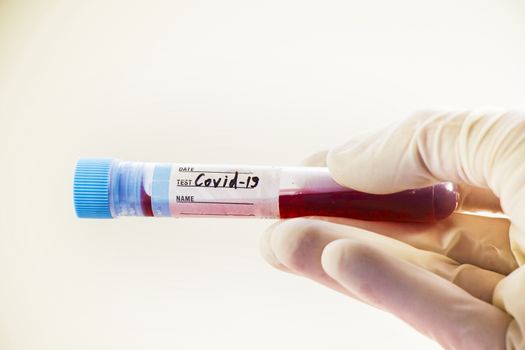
(109, 188)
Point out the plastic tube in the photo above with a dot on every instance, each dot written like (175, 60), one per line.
(109, 188)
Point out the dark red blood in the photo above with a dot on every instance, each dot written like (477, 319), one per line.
(145, 202)
(421, 205)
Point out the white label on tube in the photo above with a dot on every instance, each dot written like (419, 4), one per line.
(224, 190)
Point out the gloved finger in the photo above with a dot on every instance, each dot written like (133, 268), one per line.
(433, 306)
(468, 239)
(478, 149)
(297, 245)
(302, 255)
(316, 159)
(508, 296)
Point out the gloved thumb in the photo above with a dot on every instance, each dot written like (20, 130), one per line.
(471, 148)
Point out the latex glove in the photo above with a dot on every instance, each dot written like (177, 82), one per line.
(458, 281)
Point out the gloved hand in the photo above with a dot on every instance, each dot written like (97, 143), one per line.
(458, 281)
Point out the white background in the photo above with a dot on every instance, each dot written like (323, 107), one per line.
(263, 82)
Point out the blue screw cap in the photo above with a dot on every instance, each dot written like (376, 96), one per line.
(91, 188)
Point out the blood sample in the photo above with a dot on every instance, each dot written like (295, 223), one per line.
(109, 188)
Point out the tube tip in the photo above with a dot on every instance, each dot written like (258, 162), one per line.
(446, 199)
(91, 187)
